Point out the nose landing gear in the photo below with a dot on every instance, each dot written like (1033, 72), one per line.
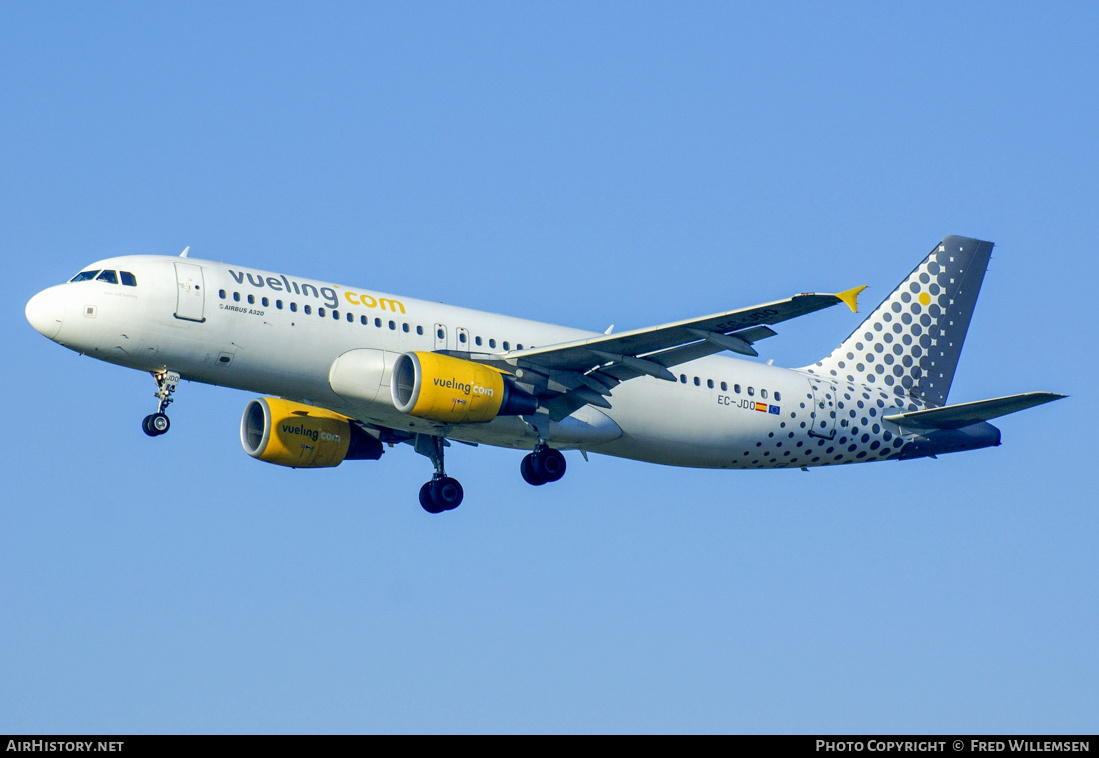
(156, 424)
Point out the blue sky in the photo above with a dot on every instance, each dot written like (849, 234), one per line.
(586, 164)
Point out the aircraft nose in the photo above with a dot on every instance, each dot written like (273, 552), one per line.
(45, 312)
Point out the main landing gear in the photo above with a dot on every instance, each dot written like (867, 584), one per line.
(156, 424)
(442, 493)
(543, 465)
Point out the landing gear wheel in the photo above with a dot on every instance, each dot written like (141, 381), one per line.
(548, 464)
(447, 493)
(155, 424)
(427, 501)
(526, 468)
(159, 423)
(442, 494)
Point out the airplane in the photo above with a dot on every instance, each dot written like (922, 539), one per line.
(348, 371)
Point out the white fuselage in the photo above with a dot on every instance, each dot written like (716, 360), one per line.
(269, 333)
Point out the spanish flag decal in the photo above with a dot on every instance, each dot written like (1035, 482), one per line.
(761, 407)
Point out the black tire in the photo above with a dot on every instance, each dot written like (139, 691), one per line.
(146, 426)
(427, 502)
(526, 468)
(159, 423)
(447, 493)
(549, 464)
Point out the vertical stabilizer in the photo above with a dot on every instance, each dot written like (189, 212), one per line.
(910, 344)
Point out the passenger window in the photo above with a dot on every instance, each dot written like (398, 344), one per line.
(724, 387)
(462, 337)
(404, 328)
(393, 325)
(351, 318)
(236, 297)
(278, 304)
(335, 315)
(419, 330)
(763, 394)
(698, 382)
(293, 307)
(477, 341)
(519, 346)
(736, 388)
(308, 310)
(85, 276)
(683, 378)
(440, 334)
(265, 302)
(108, 276)
(364, 320)
(751, 391)
(251, 300)
(778, 396)
(320, 312)
(710, 383)
(221, 294)
(507, 345)
(492, 342)
(130, 280)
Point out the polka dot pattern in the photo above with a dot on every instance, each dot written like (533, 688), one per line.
(908, 348)
(828, 426)
(901, 358)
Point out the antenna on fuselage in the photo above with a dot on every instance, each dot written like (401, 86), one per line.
(184, 253)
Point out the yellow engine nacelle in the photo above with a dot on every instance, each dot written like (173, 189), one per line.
(302, 436)
(453, 390)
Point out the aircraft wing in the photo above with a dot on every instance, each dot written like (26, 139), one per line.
(731, 330)
(571, 374)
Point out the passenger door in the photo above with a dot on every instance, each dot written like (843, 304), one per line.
(190, 292)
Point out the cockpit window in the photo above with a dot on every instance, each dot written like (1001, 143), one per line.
(85, 276)
(108, 276)
(128, 279)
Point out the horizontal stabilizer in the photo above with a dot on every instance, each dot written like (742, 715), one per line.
(966, 414)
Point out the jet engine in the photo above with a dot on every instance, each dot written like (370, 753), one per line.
(454, 390)
(302, 436)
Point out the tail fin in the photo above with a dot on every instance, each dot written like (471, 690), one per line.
(911, 342)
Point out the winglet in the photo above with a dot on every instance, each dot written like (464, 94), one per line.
(850, 297)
